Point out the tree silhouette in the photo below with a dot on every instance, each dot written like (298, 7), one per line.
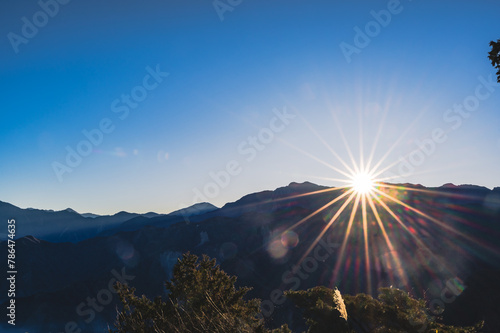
(494, 56)
(202, 298)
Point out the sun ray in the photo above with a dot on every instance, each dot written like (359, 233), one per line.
(346, 237)
(376, 173)
(291, 197)
(364, 205)
(346, 145)
(413, 173)
(433, 192)
(320, 210)
(325, 229)
(415, 238)
(396, 260)
(377, 138)
(341, 180)
(337, 156)
(427, 216)
(313, 157)
(365, 236)
(486, 245)
(361, 150)
(380, 180)
(330, 189)
(341, 133)
(396, 143)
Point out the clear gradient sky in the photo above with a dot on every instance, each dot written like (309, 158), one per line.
(225, 78)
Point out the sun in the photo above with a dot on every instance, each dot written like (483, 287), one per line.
(362, 183)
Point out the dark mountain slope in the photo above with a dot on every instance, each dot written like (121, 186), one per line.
(456, 233)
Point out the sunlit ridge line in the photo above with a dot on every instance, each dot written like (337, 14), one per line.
(319, 210)
(265, 202)
(331, 189)
(325, 229)
(327, 145)
(299, 195)
(437, 191)
(313, 157)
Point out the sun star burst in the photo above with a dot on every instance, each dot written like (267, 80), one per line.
(362, 183)
(374, 221)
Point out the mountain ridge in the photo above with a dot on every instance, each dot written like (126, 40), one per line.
(247, 238)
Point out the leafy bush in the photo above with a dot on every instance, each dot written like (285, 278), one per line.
(323, 309)
(395, 311)
(202, 298)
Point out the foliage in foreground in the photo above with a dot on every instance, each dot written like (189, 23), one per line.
(494, 56)
(395, 311)
(323, 308)
(203, 298)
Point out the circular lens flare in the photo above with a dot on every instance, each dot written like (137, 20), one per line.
(362, 183)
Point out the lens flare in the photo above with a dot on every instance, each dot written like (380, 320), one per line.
(375, 222)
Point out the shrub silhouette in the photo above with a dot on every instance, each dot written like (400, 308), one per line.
(326, 311)
(323, 308)
(395, 311)
(202, 298)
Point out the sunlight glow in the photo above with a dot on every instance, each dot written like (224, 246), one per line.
(363, 183)
(374, 219)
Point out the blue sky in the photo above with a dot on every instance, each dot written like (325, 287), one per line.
(227, 81)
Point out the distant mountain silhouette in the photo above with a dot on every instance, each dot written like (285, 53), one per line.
(89, 215)
(196, 209)
(246, 237)
(69, 226)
